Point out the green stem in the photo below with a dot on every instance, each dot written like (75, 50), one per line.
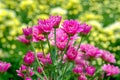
(80, 43)
(38, 60)
(27, 71)
(64, 52)
(48, 42)
(64, 70)
(55, 77)
(49, 47)
(42, 48)
(36, 73)
(55, 41)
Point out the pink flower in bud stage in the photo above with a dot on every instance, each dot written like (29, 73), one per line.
(31, 71)
(39, 69)
(86, 28)
(41, 58)
(48, 58)
(71, 53)
(55, 20)
(19, 73)
(4, 66)
(27, 31)
(90, 70)
(29, 58)
(71, 27)
(44, 59)
(23, 68)
(111, 69)
(37, 34)
(23, 39)
(22, 71)
(45, 25)
(82, 77)
(28, 78)
(78, 69)
(107, 56)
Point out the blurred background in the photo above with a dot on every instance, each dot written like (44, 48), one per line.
(103, 15)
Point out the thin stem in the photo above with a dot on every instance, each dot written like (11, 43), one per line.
(55, 36)
(27, 72)
(49, 46)
(48, 42)
(79, 43)
(42, 48)
(55, 41)
(64, 52)
(55, 77)
(66, 45)
(38, 60)
(38, 75)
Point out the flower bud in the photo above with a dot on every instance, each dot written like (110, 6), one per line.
(71, 53)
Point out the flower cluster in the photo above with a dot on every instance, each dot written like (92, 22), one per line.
(25, 72)
(111, 69)
(63, 50)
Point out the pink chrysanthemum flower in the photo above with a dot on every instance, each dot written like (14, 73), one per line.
(22, 71)
(37, 34)
(78, 69)
(107, 56)
(86, 28)
(71, 53)
(71, 27)
(61, 39)
(90, 50)
(23, 39)
(111, 69)
(85, 47)
(90, 70)
(93, 52)
(4, 66)
(27, 31)
(45, 25)
(55, 20)
(29, 58)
